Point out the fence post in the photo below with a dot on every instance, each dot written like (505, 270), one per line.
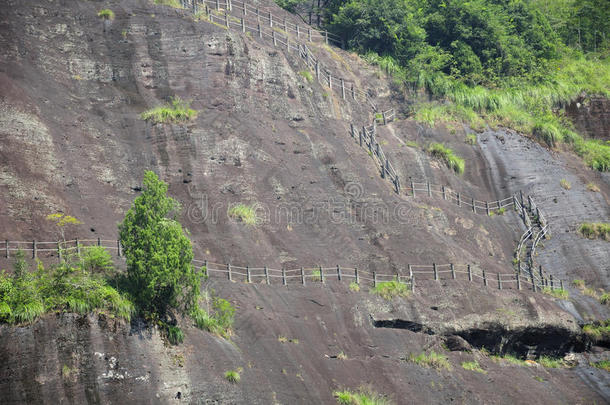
(444, 193)
(518, 282)
(274, 39)
(356, 275)
(229, 270)
(353, 92)
(469, 273)
(326, 32)
(270, 19)
(412, 284)
(309, 34)
(217, 4)
(385, 120)
(248, 279)
(302, 276)
(330, 81)
(298, 32)
(374, 279)
(452, 271)
(361, 134)
(321, 275)
(484, 279)
(352, 130)
(227, 18)
(397, 184)
(230, 5)
(267, 275)
(6, 246)
(243, 25)
(533, 280)
(398, 277)
(342, 89)
(283, 276)
(561, 284)
(413, 187)
(410, 270)
(339, 272)
(435, 271)
(118, 247)
(429, 189)
(540, 272)
(499, 282)
(285, 26)
(287, 43)
(552, 283)
(59, 251)
(34, 249)
(487, 207)
(530, 202)
(99, 242)
(77, 247)
(474, 206)
(318, 70)
(260, 31)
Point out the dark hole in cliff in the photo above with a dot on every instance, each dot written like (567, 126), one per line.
(402, 324)
(528, 342)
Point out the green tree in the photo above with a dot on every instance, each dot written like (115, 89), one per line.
(158, 252)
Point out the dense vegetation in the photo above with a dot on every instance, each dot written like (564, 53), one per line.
(513, 63)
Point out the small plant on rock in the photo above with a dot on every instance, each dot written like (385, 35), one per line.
(177, 110)
(565, 184)
(354, 286)
(106, 14)
(559, 293)
(233, 376)
(603, 365)
(431, 360)
(446, 154)
(306, 75)
(244, 213)
(390, 289)
(471, 139)
(593, 187)
(363, 396)
(473, 366)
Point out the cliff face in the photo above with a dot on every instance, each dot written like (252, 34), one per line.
(72, 88)
(591, 115)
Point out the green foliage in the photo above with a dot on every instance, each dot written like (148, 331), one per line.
(363, 396)
(244, 213)
(556, 292)
(97, 260)
(354, 286)
(603, 365)
(550, 362)
(431, 360)
(390, 289)
(509, 358)
(471, 139)
(598, 331)
(595, 230)
(316, 275)
(106, 14)
(604, 299)
(565, 184)
(160, 275)
(306, 75)
(578, 283)
(218, 319)
(473, 366)
(67, 287)
(444, 153)
(177, 110)
(233, 376)
(174, 335)
(170, 3)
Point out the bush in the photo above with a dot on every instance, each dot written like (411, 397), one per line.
(306, 75)
(578, 283)
(556, 292)
(218, 321)
(244, 213)
(175, 335)
(354, 286)
(604, 299)
(233, 376)
(473, 366)
(97, 260)
(444, 153)
(598, 331)
(471, 139)
(595, 230)
(363, 396)
(565, 184)
(177, 110)
(390, 289)
(431, 360)
(106, 14)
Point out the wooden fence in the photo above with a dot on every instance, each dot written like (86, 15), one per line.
(303, 275)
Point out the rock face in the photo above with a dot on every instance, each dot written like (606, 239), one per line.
(72, 89)
(591, 115)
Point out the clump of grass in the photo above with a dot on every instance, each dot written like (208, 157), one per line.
(232, 376)
(565, 184)
(106, 14)
(578, 283)
(501, 211)
(551, 362)
(218, 319)
(316, 275)
(559, 293)
(363, 396)
(431, 360)
(598, 331)
(509, 358)
(177, 110)
(244, 213)
(473, 366)
(282, 339)
(342, 356)
(170, 3)
(595, 230)
(306, 75)
(603, 365)
(446, 154)
(390, 289)
(174, 335)
(592, 187)
(412, 144)
(604, 299)
(354, 286)
(471, 139)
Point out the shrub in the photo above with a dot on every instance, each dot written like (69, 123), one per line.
(578, 283)
(306, 75)
(501, 211)
(363, 396)
(354, 286)
(342, 356)
(556, 292)
(177, 110)
(106, 14)
(444, 153)
(233, 376)
(565, 184)
(219, 321)
(604, 299)
(598, 331)
(175, 335)
(244, 213)
(316, 275)
(473, 366)
(595, 230)
(390, 289)
(592, 187)
(96, 259)
(471, 139)
(160, 274)
(603, 364)
(431, 360)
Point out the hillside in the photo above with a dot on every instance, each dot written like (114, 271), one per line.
(73, 87)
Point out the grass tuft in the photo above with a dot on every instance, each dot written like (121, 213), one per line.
(551, 362)
(244, 213)
(170, 3)
(592, 187)
(444, 153)
(565, 184)
(556, 292)
(431, 360)
(363, 396)
(354, 286)
(598, 331)
(473, 366)
(390, 289)
(233, 376)
(106, 14)
(471, 139)
(595, 230)
(174, 335)
(177, 110)
(603, 365)
(306, 75)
